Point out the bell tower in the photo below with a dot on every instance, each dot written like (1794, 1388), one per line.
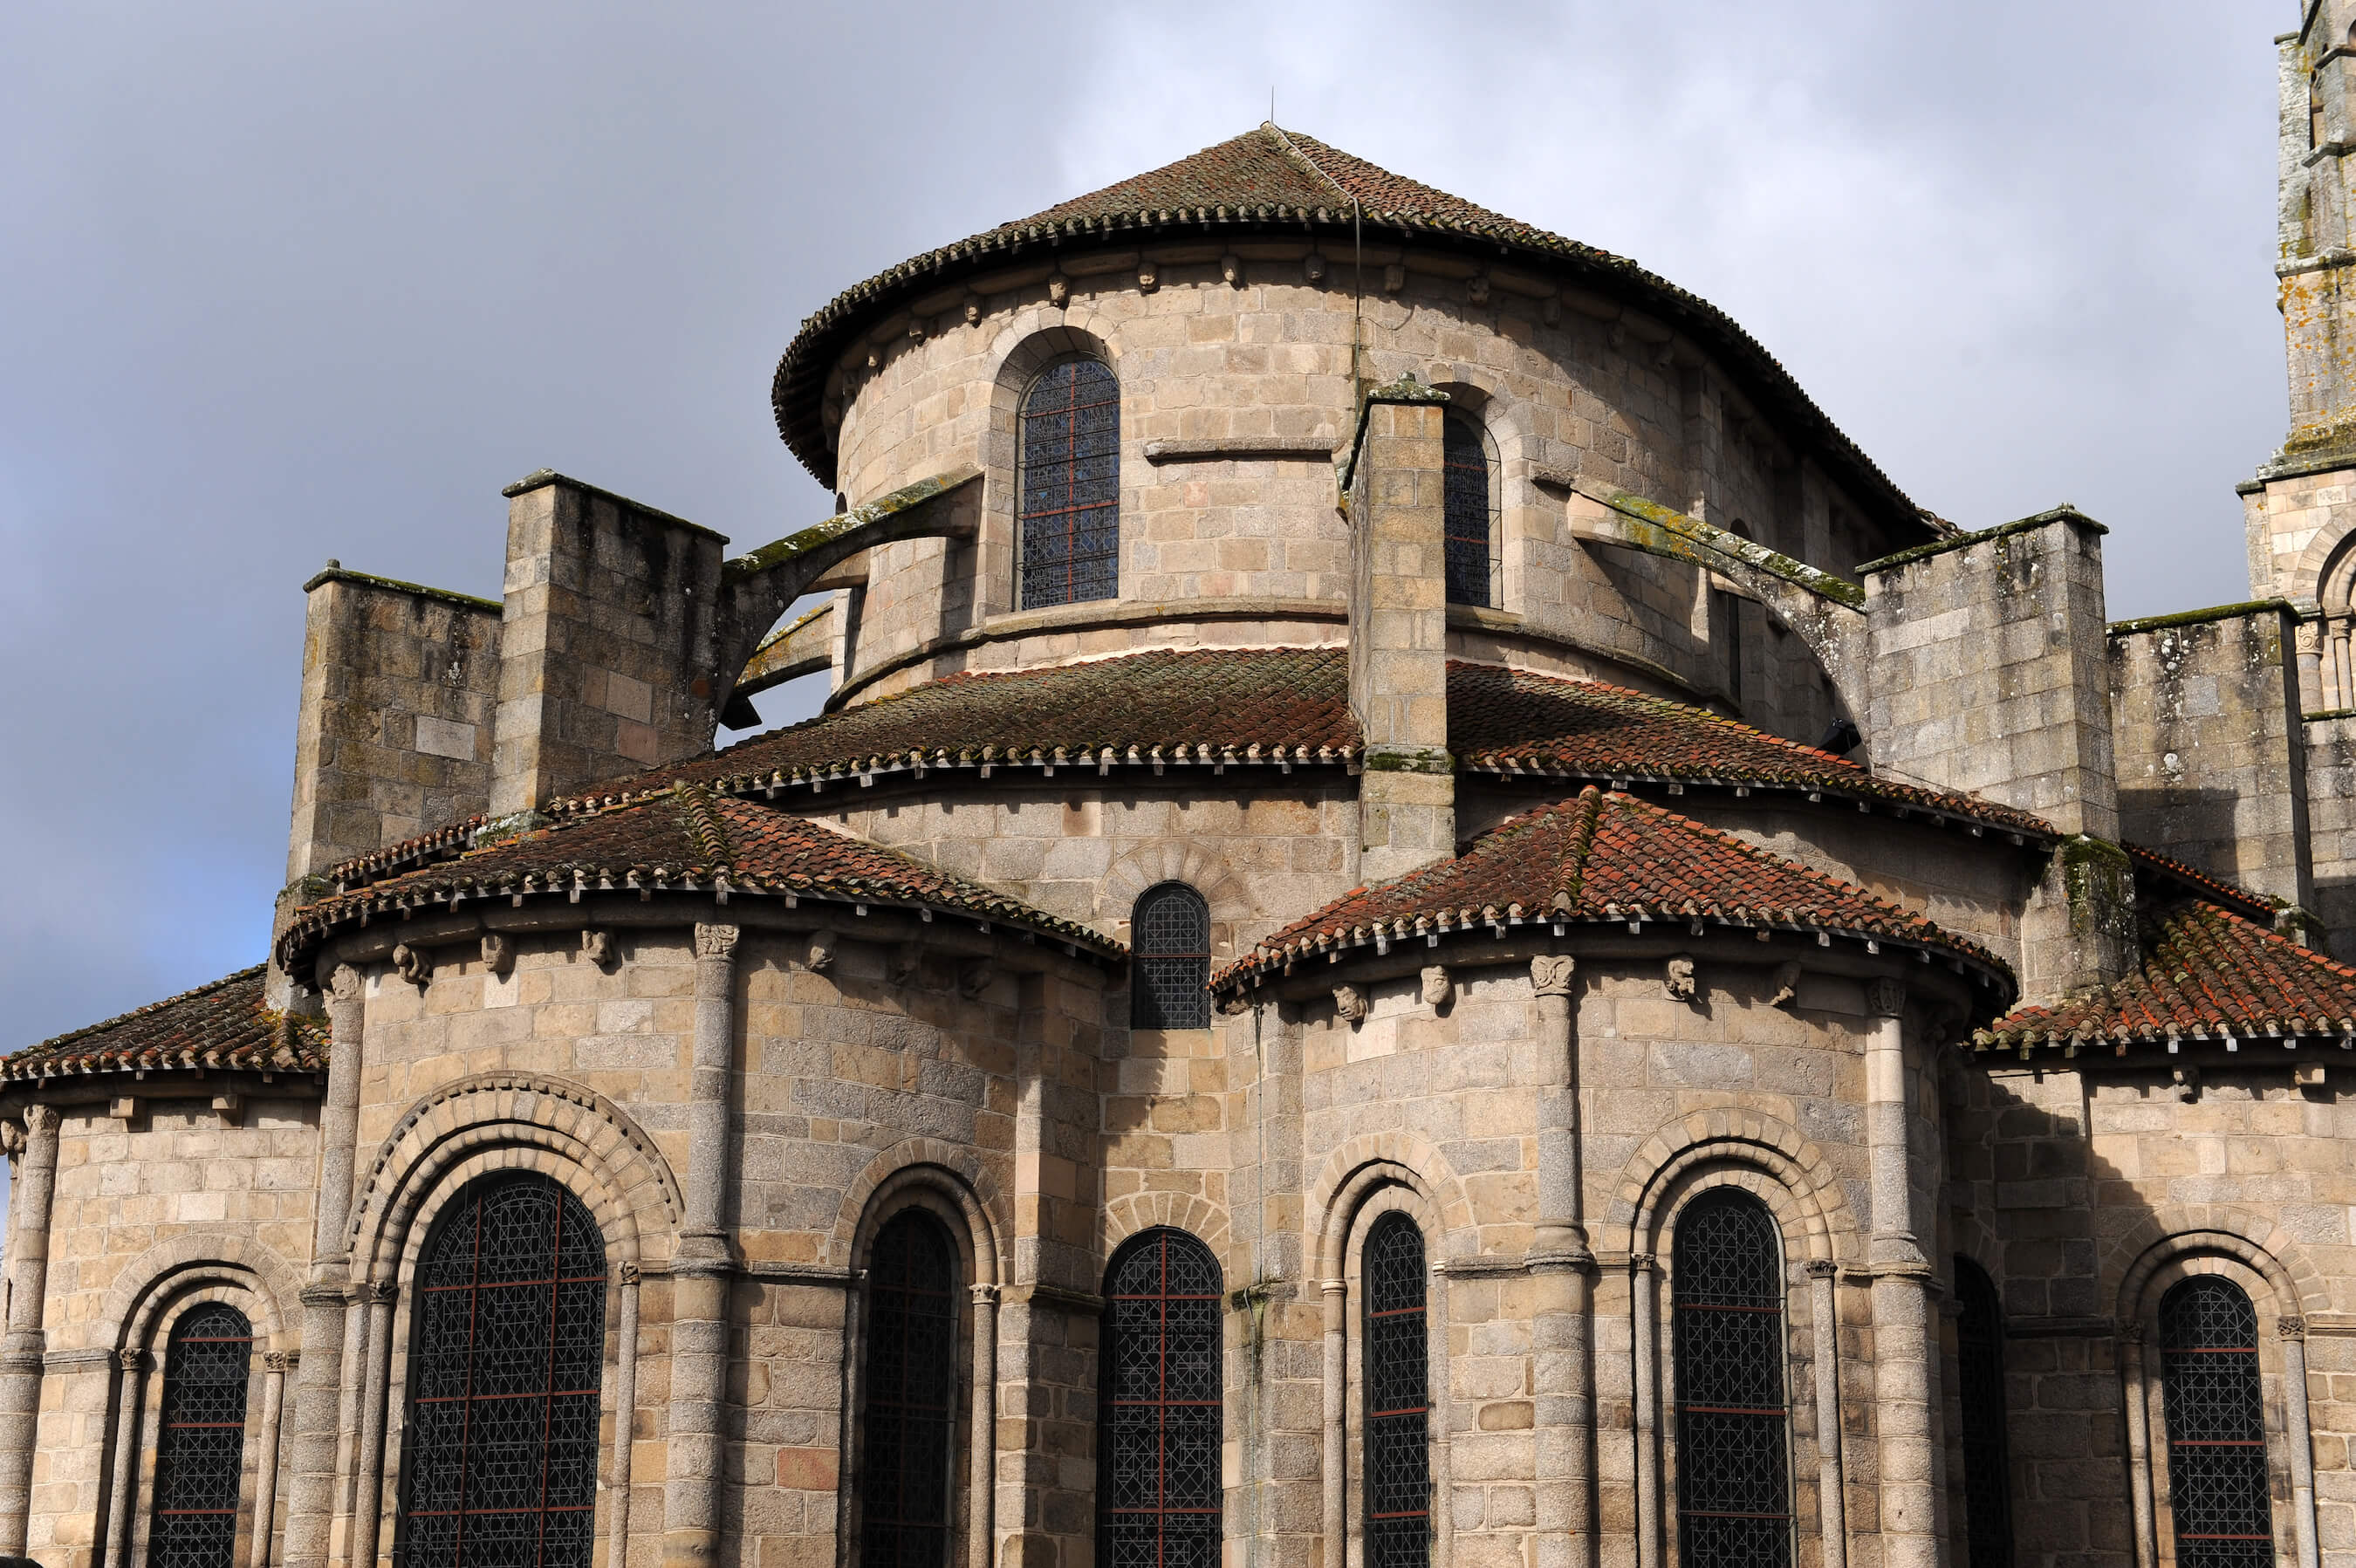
(2300, 508)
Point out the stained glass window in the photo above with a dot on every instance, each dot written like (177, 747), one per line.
(1169, 936)
(1158, 1492)
(1469, 516)
(1734, 1487)
(2216, 1426)
(1071, 486)
(908, 1393)
(1987, 1476)
(1398, 1404)
(201, 1450)
(502, 1436)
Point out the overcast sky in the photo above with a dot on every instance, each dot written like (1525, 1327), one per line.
(286, 281)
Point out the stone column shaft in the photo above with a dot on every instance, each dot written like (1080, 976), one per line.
(22, 1347)
(983, 1441)
(1906, 1385)
(699, 1355)
(626, 1410)
(265, 1453)
(1563, 1368)
(1832, 1511)
(2299, 1439)
(311, 1490)
(1335, 1500)
(2138, 1403)
(368, 1501)
(127, 1446)
(1645, 1286)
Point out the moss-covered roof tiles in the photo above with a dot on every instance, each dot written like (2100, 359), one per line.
(225, 1025)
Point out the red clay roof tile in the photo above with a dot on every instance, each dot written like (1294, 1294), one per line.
(224, 1025)
(1602, 857)
(686, 839)
(2206, 973)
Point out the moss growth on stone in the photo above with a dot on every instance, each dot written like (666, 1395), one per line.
(2197, 617)
(448, 597)
(2065, 513)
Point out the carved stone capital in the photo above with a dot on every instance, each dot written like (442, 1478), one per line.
(1348, 1004)
(280, 1361)
(40, 1121)
(1885, 998)
(2291, 1327)
(131, 1360)
(346, 984)
(1641, 1263)
(1820, 1268)
(2131, 1331)
(626, 1272)
(715, 941)
(1550, 973)
(498, 954)
(375, 1292)
(983, 1296)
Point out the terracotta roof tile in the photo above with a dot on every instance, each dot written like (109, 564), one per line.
(1515, 723)
(1602, 857)
(1175, 712)
(1267, 178)
(2206, 973)
(224, 1025)
(2151, 866)
(686, 840)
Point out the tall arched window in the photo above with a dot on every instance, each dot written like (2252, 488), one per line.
(908, 1395)
(1469, 491)
(1070, 506)
(1158, 1444)
(1988, 1474)
(201, 1451)
(511, 1346)
(2216, 1426)
(1170, 938)
(1398, 1404)
(1734, 1487)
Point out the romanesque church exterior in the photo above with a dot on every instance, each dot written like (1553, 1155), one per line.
(1427, 926)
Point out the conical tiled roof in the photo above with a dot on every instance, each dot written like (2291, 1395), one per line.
(1283, 182)
(1603, 857)
(224, 1025)
(685, 840)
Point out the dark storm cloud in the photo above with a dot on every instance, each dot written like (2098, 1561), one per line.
(287, 281)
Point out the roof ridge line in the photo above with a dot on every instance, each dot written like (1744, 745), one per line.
(1582, 845)
(1293, 150)
(707, 832)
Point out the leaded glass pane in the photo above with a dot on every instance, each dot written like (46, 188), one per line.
(908, 1395)
(1467, 518)
(1397, 1479)
(200, 1448)
(1987, 1478)
(1734, 1487)
(1170, 935)
(511, 1334)
(2216, 1426)
(1071, 486)
(1158, 1492)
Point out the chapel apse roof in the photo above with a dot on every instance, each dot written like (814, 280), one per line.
(684, 838)
(1284, 182)
(1602, 858)
(1182, 714)
(2204, 973)
(225, 1025)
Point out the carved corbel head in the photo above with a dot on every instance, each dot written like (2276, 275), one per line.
(498, 954)
(906, 963)
(1348, 1004)
(1678, 981)
(1786, 981)
(1059, 290)
(823, 943)
(1438, 987)
(597, 947)
(1231, 270)
(1313, 268)
(412, 964)
(974, 977)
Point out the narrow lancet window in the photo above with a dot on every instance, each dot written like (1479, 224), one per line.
(1169, 932)
(1070, 525)
(1397, 1473)
(201, 1451)
(1469, 491)
(2216, 1426)
(1734, 1484)
(1158, 1488)
(511, 1342)
(1987, 1476)
(908, 1396)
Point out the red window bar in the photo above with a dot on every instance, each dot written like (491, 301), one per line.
(2215, 1408)
(1397, 1478)
(1158, 1491)
(1070, 522)
(1734, 1489)
(201, 1451)
(502, 1440)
